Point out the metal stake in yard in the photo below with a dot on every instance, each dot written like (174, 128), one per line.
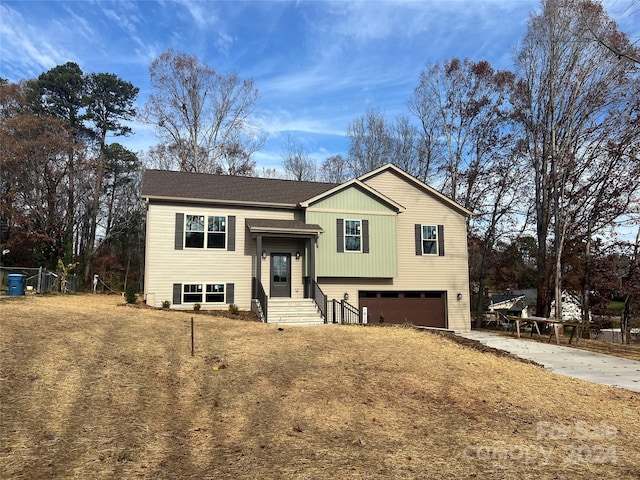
(192, 336)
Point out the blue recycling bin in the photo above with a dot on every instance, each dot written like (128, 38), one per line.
(16, 284)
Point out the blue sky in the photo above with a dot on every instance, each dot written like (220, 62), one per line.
(317, 65)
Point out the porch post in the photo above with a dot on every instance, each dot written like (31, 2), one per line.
(312, 258)
(258, 259)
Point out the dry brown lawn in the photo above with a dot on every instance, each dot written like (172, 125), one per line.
(91, 388)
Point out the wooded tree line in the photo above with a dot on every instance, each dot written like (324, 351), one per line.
(67, 194)
(546, 155)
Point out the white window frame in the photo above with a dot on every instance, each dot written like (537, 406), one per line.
(187, 231)
(224, 232)
(192, 292)
(359, 235)
(434, 239)
(205, 231)
(214, 284)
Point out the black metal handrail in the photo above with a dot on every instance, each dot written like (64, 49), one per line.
(320, 298)
(261, 296)
(344, 313)
(349, 313)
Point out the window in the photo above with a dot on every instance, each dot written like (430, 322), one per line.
(352, 235)
(192, 293)
(215, 293)
(194, 231)
(429, 240)
(216, 232)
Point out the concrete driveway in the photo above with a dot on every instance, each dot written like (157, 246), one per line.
(590, 366)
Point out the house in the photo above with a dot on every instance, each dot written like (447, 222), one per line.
(571, 307)
(510, 304)
(385, 243)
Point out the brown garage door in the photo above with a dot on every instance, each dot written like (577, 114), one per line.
(426, 309)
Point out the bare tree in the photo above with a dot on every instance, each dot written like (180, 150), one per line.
(610, 38)
(632, 290)
(204, 116)
(405, 146)
(464, 113)
(371, 143)
(34, 188)
(296, 162)
(334, 169)
(569, 96)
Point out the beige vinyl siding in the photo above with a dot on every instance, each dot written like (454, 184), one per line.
(165, 266)
(448, 273)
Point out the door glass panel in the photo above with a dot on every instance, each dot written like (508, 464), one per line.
(280, 270)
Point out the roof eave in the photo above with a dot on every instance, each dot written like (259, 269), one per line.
(293, 231)
(241, 203)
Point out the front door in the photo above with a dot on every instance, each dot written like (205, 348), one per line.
(280, 275)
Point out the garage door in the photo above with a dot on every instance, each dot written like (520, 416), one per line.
(426, 309)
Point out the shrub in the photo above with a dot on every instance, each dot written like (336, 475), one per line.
(130, 294)
(196, 307)
(166, 304)
(233, 309)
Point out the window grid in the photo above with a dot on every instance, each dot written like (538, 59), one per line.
(216, 232)
(353, 235)
(194, 231)
(192, 293)
(215, 293)
(429, 240)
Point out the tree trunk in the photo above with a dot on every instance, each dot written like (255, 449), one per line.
(95, 207)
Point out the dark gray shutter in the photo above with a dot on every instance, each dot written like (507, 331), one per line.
(418, 228)
(179, 231)
(340, 234)
(365, 236)
(441, 240)
(231, 233)
(230, 291)
(177, 293)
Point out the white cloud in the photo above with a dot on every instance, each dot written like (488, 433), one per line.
(281, 121)
(26, 50)
(202, 13)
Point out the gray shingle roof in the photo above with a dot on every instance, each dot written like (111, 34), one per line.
(282, 226)
(228, 188)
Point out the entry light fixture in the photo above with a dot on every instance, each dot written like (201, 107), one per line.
(264, 254)
(346, 297)
(459, 296)
(297, 255)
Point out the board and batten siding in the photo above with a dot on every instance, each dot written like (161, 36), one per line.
(353, 199)
(165, 265)
(378, 255)
(448, 273)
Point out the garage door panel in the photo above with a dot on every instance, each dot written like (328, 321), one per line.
(419, 308)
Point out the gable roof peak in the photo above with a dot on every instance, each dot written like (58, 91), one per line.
(390, 167)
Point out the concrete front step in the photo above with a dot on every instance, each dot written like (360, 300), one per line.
(298, 312)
